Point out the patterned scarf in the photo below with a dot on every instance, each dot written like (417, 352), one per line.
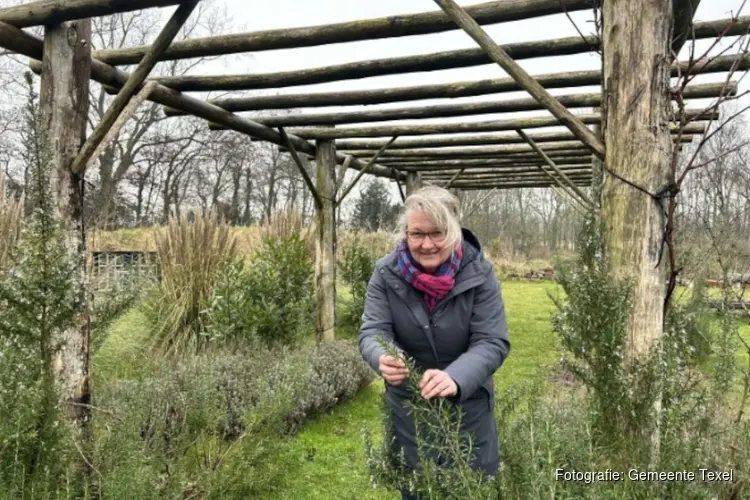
(434, 286)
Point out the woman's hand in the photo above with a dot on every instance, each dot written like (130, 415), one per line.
(437, 383)
(393, 369)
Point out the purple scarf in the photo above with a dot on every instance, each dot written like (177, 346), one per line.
(434, 286)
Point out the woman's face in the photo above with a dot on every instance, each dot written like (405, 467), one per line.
(426, 242)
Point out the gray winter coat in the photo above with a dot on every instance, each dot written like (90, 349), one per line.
(466, 336)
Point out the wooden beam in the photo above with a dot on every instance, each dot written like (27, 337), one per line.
(342, 172)
(362, 172)
(477, 173)
(26, 44)
(463, 127)
(113, 132)
(549, 102)
(63, 109)
(541, 173)
(552, 164)
(484, 163)
(133, 83)
(302, 169)
(470, 150)
(325, 243)
(587, 100)
(399, 160)
(452, 179)
(483, 140)
(388, 95)
(368, 29)
(44, 12)
(511, 185)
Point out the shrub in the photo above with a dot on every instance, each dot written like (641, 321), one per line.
(356, 269)
(39, 302)
(269, 297)
(213, 423)
(444, 469)
(191, 254)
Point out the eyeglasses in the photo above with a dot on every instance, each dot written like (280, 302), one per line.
(419, 236)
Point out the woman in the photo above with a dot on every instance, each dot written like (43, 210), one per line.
(437, 299)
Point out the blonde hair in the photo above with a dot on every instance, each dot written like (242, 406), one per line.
(441, 206)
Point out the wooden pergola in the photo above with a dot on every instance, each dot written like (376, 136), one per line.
(465, 155)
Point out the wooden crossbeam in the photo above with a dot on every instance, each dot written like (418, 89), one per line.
(45, 12)
(587, 100)
(552, 164)
(483, 140)
(464, 127)
(539, 93)
(342, 172)
(502, 149)
(132, 84)
(436, 91)
(126, 114)
(12, 38)
(302, 167)
(470, 186)
(483, 163)
(447, 174)
(370, 163)
(453, 179)
(368, 29)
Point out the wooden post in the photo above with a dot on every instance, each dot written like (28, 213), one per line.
(64, 105)
(635, 110)
(325, 243)
(413, 182)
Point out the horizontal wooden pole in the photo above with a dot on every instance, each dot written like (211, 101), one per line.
(482, 186)
(378, 67)
(464, 127)
(499, 150)
(475, 174)
(539, 177)
(32, 47)
(44, 12)
(478, 156)
(367, 29)
(409, 64)
(480, 169)
(480, 140)
(587, 100)
(474, 163)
